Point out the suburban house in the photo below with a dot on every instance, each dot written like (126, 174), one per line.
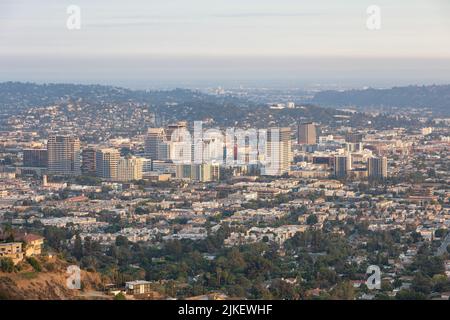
(137, 287)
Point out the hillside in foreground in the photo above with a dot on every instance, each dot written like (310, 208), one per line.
(47, 284)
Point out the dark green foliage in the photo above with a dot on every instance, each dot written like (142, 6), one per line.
(35, 264)
(6, 265)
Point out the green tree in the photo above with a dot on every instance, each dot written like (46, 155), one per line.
(343, 291)
(386, 286)
(312, 219)
(35, 264)
(121, 241)
(120, 296)
(440, 233)
(6, 265)
(283, 291)
(410, 295)
(78, 248)
(441, 283)
(422, 284)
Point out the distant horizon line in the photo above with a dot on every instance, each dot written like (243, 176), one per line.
(241, 87)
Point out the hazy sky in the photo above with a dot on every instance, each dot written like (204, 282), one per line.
(148, 43)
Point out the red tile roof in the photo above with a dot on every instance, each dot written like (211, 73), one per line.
(31, 237)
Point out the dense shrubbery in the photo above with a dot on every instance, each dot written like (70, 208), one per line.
(6, 265)
(35, 264)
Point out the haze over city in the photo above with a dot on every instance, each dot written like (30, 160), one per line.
(150, 44)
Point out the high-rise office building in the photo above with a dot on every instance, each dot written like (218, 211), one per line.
(377, 167)
(155, 137)
(353, 147)
(198, 172)
(64, 156)
(106, 161)
(164, 166)
(342, 165)
(146, 165)
(306, 133)
(130, 168)
(354, 137)
(171, 128)
(278, 152)
(164, 149)
(35, 158)
(88, 166)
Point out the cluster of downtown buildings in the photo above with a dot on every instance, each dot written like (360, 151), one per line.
(299, 160)
(171, 152)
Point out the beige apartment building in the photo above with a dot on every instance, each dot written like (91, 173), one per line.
(12, 250)
(129, 169)
(106, 162)
(64, 157)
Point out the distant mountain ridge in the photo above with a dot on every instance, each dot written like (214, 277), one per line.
(113, 106)
(435, 98)
(171, 105)
(21, 95)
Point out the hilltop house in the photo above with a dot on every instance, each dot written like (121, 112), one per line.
(12, 250)
(33, 245)
(30, 244)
